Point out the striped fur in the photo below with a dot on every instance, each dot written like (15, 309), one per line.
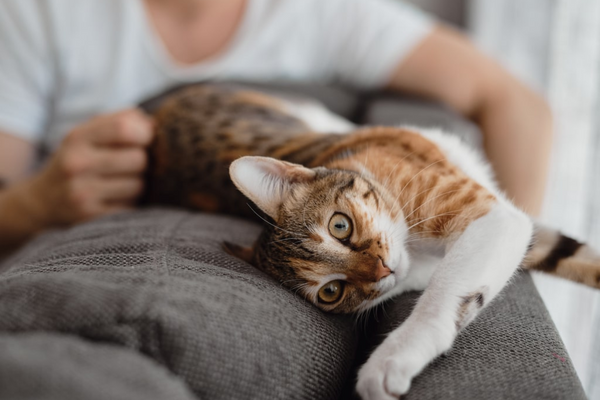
(560, 255)
(352, 220)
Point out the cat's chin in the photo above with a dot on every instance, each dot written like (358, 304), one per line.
(389, 287)
(391, 292)
(388, 283)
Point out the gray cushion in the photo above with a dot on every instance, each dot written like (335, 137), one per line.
(48, 366)
(158, 282)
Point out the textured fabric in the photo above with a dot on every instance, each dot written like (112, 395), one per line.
(159, 283)
(45, 366)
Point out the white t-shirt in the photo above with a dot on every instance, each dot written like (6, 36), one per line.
(64, 61)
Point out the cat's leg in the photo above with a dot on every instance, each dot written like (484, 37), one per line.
(475, 268)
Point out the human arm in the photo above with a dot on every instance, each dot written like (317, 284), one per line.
(97, 170)
(516, 122)
(15, 158)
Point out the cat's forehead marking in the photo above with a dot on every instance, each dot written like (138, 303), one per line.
(344, 189)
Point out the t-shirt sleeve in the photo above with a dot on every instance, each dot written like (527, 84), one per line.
(367, 39)
(25, 69)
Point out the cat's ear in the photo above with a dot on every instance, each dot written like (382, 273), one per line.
(267, 181)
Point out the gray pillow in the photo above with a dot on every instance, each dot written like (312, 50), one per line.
(157, 281)
(55, 366)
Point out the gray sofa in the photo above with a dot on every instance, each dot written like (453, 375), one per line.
(146, 305)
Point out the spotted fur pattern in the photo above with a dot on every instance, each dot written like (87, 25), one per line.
(199, 132)
(421, 212)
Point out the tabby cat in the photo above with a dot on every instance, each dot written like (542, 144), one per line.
(354, 219)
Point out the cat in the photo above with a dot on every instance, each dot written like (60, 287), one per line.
(355, 219)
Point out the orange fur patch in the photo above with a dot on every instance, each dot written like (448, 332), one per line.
(436, 197)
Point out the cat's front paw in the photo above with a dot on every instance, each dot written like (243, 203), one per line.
(384, 378)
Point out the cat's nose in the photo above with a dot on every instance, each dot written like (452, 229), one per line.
(381, 270)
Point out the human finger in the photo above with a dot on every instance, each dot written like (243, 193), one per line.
(126, 128)
(122, 189)
(120, 161)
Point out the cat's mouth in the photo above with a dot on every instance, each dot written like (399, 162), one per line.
(388, 282)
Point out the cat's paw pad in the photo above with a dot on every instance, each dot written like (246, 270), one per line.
(383, 379)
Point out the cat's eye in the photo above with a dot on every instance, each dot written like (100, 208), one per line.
(331, 292)
(340, 226)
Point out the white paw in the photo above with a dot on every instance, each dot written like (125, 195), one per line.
(388, 373)
(383, 379)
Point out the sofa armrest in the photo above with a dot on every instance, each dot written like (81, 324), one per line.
(512, 351)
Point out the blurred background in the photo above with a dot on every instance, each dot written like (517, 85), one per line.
(554, 46)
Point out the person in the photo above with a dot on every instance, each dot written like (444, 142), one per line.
(71, 74)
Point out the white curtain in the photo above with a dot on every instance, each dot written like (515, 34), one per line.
(554, 45)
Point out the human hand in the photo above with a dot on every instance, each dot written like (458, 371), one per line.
(97, 170)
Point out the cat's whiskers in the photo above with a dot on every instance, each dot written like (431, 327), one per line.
(362, 317)
(292, 238)
(435, 216)
(415, 196)
(301, 285)
(409, 242)
(396, 202)
(387, 180)
(417, 234)
(367, 318)
(385, 313)
(291, 280)
(431, 199)
(415, 237)
(364, 166)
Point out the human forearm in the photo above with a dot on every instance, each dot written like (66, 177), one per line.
(516, 123)
(97, 170)
(20, 216)
(517, 126)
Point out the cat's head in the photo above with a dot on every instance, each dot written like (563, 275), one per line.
(335, 237)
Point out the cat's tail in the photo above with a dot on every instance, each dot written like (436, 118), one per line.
(557, 254)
